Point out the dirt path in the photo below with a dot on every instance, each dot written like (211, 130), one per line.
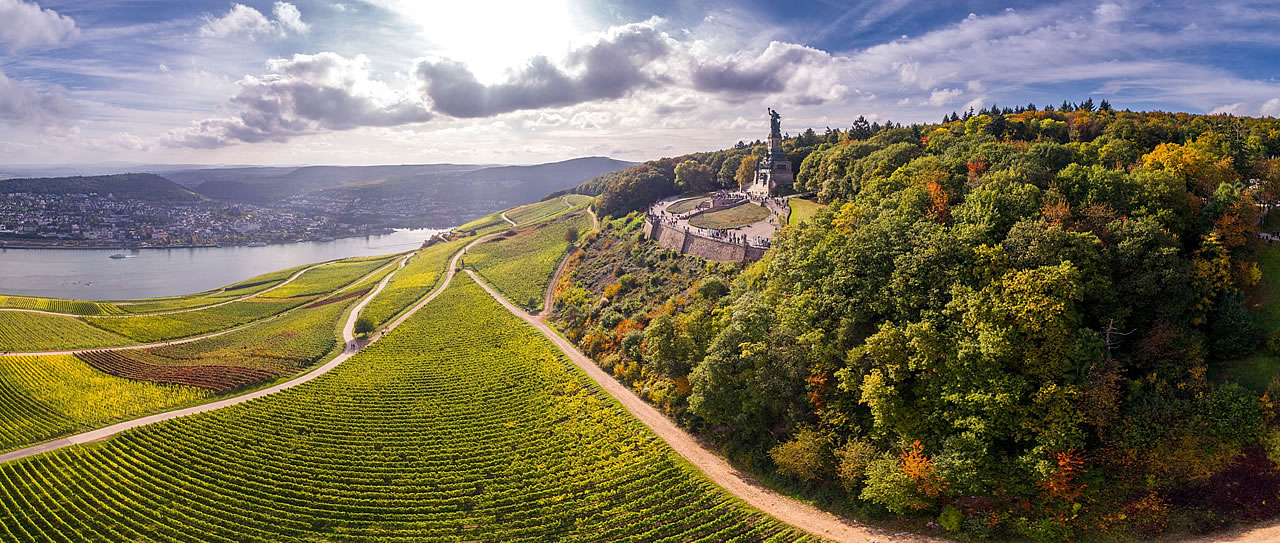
(403, 260)
(549, 299)
(802, 516)
(504, 217)
(184, 310)
(352, 346)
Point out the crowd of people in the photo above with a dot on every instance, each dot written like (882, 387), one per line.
(658, 214)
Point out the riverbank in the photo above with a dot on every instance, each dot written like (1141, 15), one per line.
(20, 243)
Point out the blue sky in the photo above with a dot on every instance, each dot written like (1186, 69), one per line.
(410, 81)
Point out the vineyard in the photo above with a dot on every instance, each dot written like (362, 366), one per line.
(328, 278)
(152, 328)
(42, 397)
(531, 213)
(58, 305)
(465, 425)
(306, 288)
(26, 332)
(412, 282)
(230, 292)
(521, 266)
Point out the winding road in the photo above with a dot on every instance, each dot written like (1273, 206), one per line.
(174, 311)
(249, 324)
(352, 346)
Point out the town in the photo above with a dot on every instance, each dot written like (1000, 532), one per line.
(106, 221)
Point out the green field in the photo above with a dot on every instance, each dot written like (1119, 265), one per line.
(802, 209)
(466, 425)
(58, 305)
(412, 282)
(42, 397)
(488, 223)
(32, 332)
(230, 292)
(532, 213)
(152, 328)
(521, 266)
(328, 278)
(733, 217)
(306, 288)
(283, 345)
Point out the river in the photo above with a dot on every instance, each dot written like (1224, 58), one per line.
(90, 274)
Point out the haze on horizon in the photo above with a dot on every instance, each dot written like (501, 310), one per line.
(404, 81)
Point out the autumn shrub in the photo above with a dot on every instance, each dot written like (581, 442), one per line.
(852, 459)
(807, 456)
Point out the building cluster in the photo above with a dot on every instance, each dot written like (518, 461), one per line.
(93, 220)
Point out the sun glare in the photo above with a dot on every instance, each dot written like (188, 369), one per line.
(495, 35)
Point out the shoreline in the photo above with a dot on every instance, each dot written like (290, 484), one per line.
(5, 245)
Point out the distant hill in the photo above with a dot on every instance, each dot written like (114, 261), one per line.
(141, 186)
(444, 182)
(269, 184)
(519, 184)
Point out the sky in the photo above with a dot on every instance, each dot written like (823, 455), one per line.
(529, 81)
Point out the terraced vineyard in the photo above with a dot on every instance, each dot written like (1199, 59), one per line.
(464, 425)
(531, 213)
(328, 278)
(230, 292)
(42, 397)
(320, 280)
(521, 266)
(152, 328)
(58, 305)
(412, 282)
(28, 332)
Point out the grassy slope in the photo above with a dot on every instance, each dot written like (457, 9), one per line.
(1257, 371)
(466, 425)
(521, 266)
(802, 209)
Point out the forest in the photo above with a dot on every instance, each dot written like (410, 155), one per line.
(1019, 322)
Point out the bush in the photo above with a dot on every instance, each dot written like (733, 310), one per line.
(806, 457)
(571, 234)
(951, 519)
(852, 459)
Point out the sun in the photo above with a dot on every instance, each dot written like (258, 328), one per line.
(492, 36)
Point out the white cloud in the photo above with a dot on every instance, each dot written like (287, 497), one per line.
(24, 25)
(289, 18)
(20, 105)
(1271, 108)
(942, 97)
(306, 94)
(245, 21)
(1230, 109)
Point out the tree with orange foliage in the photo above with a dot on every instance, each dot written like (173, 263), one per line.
(1064, 483)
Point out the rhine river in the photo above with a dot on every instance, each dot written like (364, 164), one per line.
(90, 274)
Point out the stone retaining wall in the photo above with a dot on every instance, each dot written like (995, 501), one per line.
(688, 243)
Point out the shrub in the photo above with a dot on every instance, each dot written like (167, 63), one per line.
(806, 457)
(951, 519)
(852, 459)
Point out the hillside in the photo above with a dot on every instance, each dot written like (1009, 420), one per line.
(1016, 324)
(141, 186)
(446, 182)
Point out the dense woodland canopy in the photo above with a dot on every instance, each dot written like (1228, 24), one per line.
(1007, 321)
